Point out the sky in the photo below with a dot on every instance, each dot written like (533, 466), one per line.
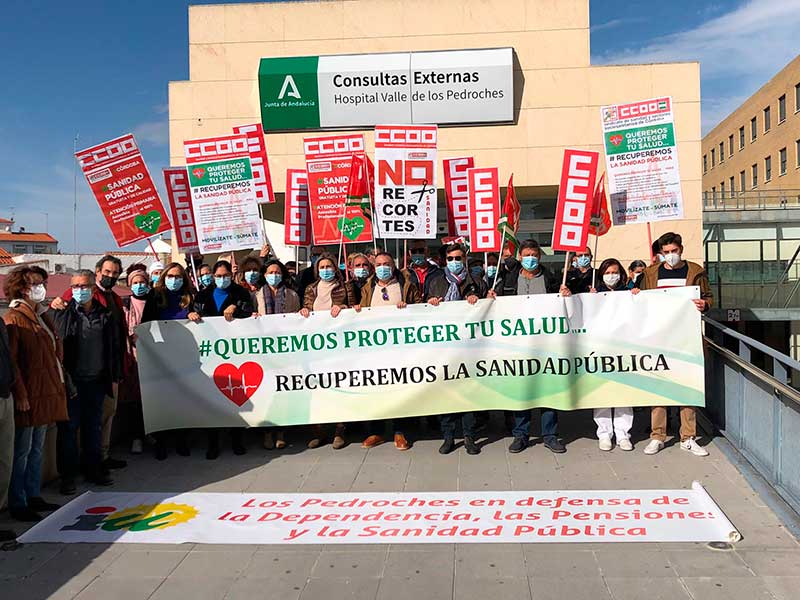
(100, 69)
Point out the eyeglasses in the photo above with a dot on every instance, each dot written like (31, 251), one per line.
(385, 293)
(458, 258)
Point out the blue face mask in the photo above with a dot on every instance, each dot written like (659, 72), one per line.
(455, 266)
(491, 271)
(584, 261)
(326, 274)
(529, 263)
(82, 296)
(140, 289)
(173, 283)
(154, 278)
(476, 271)
(418, 259)
(360, 272)
(342, 266)
(206, 280)
(384, 272)
(222, 282)
(274, 279)
(251, 277)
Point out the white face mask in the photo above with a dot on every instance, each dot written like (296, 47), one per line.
(38, 293)
(672, 259)
(611, 279)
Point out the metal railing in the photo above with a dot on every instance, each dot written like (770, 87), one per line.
(751, 200)
(751, 400)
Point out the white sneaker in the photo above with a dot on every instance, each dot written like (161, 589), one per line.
(692, 446)
(625, 444)
(136, 447)
(654, 447)
(605, 444)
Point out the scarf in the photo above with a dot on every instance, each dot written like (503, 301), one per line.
(274, 304)
(135, 311)
(453, 293)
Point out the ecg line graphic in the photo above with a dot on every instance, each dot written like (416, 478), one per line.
(230, 388)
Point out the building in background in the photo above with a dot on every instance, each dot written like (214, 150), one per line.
(557, 92)
(22, 242)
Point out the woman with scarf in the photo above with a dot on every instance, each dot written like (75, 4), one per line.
(329, 291)
(275, 298)
(615, 421)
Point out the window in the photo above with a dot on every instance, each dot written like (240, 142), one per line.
(721, 152)
(730, 145)
(767, 169)
(39, 249)
(781, 109)
(767, 122)
(722, 189)
(797, 98)
(733, 187)
(705, 195)
(782, 158)
(19, 249)
(742, 182)
(753, 129)
(713, 192)
(754, 170)
(713, 158)
(741, 137)
(705, 163)
(797, 152)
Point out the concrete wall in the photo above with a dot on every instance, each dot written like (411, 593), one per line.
(560, 100)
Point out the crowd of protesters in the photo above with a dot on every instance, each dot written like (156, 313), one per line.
(69, 362)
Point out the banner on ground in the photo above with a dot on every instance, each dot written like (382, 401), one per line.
(526, 517)
(297, 213)
(585, 351)
(176, 180)
(575, 197)
(259, 161)
(223, 194)
(123, 188)
(405, 187)
(328, 162)
(483, 185)
(457, 195)
(642, 161)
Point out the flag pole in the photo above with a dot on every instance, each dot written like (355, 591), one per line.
(650, 241)
(566, 265)
(405, 253)
(152, 248)
(190, 258)
(594, 261)
(502, 242)
(371, 207)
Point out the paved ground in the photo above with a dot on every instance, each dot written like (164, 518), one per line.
(765, 565)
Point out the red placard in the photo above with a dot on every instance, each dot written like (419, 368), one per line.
(180, 205)
(328, 162)
(297, 216)
(259, 161)
(455, 187)
(483, 191)
(575, 195)
(123, 188)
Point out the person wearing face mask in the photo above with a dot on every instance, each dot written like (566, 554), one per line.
(529, 277)
(205, 276)
(154, 272)
(492, 262)
(675, 272)
(361, 268)
(38, 389)
(388, 287)
(634, 272)
(251, 276)
(308, 275)
(454, 283)
(420, 268)
(92, 363)
(615, 421)
(581, 276)
(330, 292)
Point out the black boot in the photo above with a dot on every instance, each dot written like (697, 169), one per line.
(518, 445)
(447, 446)
(471, 446)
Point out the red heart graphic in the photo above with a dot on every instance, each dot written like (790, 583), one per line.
(199, 172)
(238, 383)
(615, 139)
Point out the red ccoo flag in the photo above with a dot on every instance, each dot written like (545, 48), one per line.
(601, 219)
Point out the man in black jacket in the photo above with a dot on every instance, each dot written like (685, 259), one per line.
(93, 362)
(6, 424)
(525, 277)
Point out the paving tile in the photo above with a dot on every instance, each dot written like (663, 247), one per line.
(541, 561)
(198, 588)
(428, 586)
(341, 589)
(772, 562)
(128, 588)
(145, 564)
(419, 564)
(621, 561)
(783, 588)
(727, 588)
(707, 563)
(276, 563)
(490, 561)
(45, 587)
(348, 565)
(284, 588)
(199, 564)
(572, 588)
(651, 588)
(330, 477)
(467, 588)
(27, 559)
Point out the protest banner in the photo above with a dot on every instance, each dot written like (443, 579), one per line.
(259, 161)
(642, 161)
(575, 194)
(484, 209)
(297, 215)
(455, 189)
(223, 194)
(405, 187)
(586, 351)
(328, 163)
(123, 188)
(176, 180)
(484, 517)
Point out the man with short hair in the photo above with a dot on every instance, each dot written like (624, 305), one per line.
(361, 268)
(6, 424)
(528, 277)
(675, 272)
(579, 278)
(420, 268)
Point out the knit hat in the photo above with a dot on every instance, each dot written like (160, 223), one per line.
(155, 266)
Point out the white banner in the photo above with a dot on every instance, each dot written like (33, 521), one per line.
(390, 518)
(642, 161)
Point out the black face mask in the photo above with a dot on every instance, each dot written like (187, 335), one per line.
(107, 282)
(510, 262)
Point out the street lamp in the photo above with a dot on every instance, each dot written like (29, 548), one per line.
(46, 221)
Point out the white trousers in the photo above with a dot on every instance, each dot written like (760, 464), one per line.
(619, 424)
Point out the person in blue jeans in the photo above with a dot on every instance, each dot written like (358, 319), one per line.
(525, 277)
(92, 362)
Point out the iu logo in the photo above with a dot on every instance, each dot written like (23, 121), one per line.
(143, 517)
(289, 88)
